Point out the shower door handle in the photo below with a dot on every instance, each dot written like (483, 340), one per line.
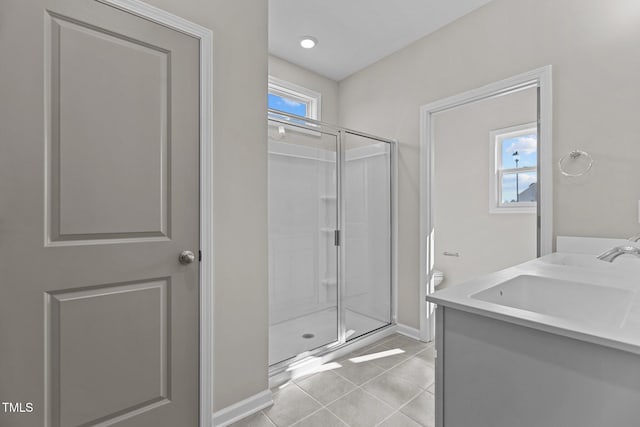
(336, 237)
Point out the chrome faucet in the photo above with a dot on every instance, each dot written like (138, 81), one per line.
(635, 238)
(614, 253)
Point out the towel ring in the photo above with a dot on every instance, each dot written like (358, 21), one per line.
(572, 156)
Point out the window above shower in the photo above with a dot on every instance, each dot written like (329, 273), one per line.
(293, 99)
(513, 177)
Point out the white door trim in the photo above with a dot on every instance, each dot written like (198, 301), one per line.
(205, 36)
(540, 77)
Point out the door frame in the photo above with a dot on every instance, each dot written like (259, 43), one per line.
(205, 37)
(540, 78)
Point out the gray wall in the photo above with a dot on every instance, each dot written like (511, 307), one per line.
(592, 45)
(240, 80)
(293, 73)
(486, 242)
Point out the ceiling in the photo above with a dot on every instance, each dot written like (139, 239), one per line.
(353, 34)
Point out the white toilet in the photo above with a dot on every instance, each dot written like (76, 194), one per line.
(438, 277)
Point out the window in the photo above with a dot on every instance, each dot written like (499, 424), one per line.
(514, 169)
(293, 99)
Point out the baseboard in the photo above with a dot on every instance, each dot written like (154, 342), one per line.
(242, 409)
(408, 331)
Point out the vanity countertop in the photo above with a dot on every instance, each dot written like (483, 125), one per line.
(610, 293)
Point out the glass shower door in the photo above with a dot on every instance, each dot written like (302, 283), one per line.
(366, 246)
(303, 213)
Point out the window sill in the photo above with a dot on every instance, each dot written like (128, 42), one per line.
(513, 210)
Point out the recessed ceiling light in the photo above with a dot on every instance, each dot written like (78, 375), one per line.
(308, 42)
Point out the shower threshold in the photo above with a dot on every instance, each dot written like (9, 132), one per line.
(290, 354)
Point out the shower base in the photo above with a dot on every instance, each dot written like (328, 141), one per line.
(290, 338)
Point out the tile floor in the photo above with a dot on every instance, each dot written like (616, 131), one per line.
(388, 383)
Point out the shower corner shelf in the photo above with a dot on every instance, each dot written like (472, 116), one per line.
(329, 282)
(327, 198)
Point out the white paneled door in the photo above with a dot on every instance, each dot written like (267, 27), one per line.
(99, 128)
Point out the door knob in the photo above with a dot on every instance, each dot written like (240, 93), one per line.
(186, 257)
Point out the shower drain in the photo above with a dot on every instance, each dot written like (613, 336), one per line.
(308, 336)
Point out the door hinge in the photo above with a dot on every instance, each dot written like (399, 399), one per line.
(336, 237)
(199, 255)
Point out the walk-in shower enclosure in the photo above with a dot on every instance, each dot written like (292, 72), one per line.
(330, 236)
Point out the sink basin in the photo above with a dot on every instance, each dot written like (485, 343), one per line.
(582, 302)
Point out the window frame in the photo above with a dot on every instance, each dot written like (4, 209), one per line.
(311, 98)
(496, 172)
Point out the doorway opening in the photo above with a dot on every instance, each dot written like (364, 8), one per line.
(538, 83)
